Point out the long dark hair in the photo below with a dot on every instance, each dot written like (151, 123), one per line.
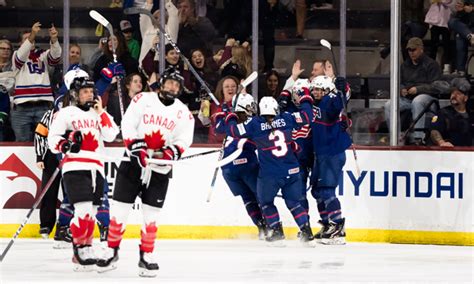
(121, 47)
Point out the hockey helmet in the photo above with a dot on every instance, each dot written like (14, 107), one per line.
(171, 74)
(268, 106)
(72, 78)
(299, 85)
(245, 103)
(323, 83)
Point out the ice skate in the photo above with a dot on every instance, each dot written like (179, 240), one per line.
(306, 236)
(62, 237)
(262, 229)
(44, 232)
(335, 234)
(317, 236)
(108, 260)
(275, 236)
(83, 259)
(147, 265)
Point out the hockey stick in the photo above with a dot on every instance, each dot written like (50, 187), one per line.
(415, 121)
(135, 10)
(328, 45)
(37, 202)
(103, 21)
(242, 86)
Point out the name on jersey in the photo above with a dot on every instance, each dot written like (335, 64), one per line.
(277, 123)
(85, 123)
(159, 120)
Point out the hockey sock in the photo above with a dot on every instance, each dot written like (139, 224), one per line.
(149, 229)
(332, 204)
(253, 210)
(103, 214)
(316, 192)
(118, 219)
(271, 215)
(299, 212)
(304, 202)
(81, 228)
(66, 212)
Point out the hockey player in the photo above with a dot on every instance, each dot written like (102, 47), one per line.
(241, 174)
(79, 131)
(330, 140)
(157, 126)
(279, 168)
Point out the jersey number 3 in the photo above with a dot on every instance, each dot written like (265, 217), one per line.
(278, 139)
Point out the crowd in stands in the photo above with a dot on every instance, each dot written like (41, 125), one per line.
(31, 78)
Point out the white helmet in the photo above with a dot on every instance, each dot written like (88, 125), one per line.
(245, 103)
(299, 85)
(322, 82)
(268, 106)
(74, 74)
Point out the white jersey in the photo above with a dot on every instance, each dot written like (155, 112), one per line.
(95, 129)
(158, 125)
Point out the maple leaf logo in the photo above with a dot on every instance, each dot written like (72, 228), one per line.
(25, 186)
(89, 143)
(155, 140)
(105, 120)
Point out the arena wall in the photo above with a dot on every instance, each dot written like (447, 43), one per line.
(401, 196)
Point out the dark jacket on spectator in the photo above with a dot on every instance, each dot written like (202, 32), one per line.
(199, 35)
(421, 75)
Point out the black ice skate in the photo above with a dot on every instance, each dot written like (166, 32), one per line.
(83, 258)
(323, 229)
(104, 232)
(44, 232)
(306, 235)
(62, 237)
(275, 235)
(147, 265)
(108, 261)
(262, 229)
(335, 234)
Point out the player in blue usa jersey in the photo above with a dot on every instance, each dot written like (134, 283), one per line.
(330, 140)
(279, 168)
(241, 174)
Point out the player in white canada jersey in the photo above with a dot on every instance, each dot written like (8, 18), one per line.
(79, 131)
(158, 126)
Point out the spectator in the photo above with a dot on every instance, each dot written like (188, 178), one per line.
(272, 86)
(454, 124)
(150, 33)
(132, 44)
(462, 23)
(7, 81)
(239, 65)
(33, 95)
(417, 75)
(225, 90)
(206, 67)
(194, 32)
(438, 16)
(98, 52)
(133, 85)
(322, 67)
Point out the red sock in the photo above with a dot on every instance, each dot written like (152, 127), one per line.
(148, 237)
(116, 231)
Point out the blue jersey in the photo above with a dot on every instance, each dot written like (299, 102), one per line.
(329, 137)
(274, 142)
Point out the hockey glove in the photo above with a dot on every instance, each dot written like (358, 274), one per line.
(171, 153)
(112, 70)
(225, 108)
(72, 143)
(138, 154)
(283, 100)
(341, 84)
(345, 123)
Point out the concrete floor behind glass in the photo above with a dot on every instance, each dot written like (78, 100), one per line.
(248, 261)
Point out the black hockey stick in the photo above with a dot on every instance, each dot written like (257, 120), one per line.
(415, 121)
(135, 10)
(103, 21)
(328, 45)
(37, 202)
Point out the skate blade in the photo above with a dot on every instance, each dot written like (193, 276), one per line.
(334, 241)
(110, 267)
(83, 268)
(61, 245)
(142, 272)
(277, 244)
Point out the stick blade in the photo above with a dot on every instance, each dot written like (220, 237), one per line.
(325, 43)
(99, 18)
(249, 79)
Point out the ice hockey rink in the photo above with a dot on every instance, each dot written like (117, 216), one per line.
(248, 261)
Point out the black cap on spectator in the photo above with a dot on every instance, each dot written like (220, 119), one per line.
(126, 26)
(462, 85)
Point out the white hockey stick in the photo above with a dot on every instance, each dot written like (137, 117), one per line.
(242, 86)
(135, 10)
(103, 21)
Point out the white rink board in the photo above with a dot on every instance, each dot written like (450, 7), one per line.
(440, 191)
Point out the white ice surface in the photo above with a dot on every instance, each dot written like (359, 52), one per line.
(248, 261)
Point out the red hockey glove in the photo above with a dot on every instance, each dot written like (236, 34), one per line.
(138, 154)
